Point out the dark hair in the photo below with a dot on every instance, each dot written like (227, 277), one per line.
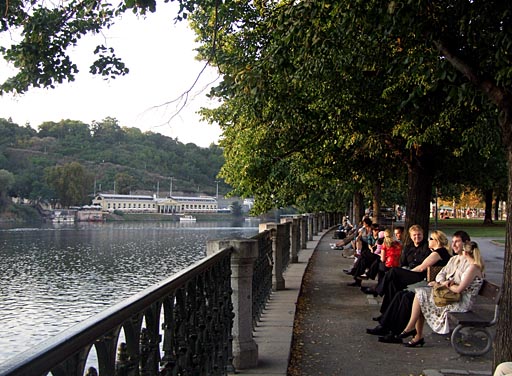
(401, 228)
(368, 221)
(375, 226)
(463, 235)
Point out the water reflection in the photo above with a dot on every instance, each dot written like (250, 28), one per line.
(54, 277)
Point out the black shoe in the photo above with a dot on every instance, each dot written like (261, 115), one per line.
(356, 283)
(377, 318)
(413, 343)
(369, 290)
(347, 271)
(379, 330)
(410, 333)
(390, 338)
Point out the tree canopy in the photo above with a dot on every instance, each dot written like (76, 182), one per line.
(324, 96)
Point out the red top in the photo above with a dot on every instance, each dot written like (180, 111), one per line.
(392, 254)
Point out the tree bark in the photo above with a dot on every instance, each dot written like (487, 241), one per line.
(497, 208)
(420, 178)
(358, 207)
(488, 207)
(376, 199)
(502, 348)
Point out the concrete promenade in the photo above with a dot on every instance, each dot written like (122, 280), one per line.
(318, 324)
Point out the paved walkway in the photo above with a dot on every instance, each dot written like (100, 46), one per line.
(325, 335)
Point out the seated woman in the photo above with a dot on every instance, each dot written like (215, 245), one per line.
(424, 308)
(397, 279)
(389, 258)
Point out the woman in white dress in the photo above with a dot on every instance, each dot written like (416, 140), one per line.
(467, 283)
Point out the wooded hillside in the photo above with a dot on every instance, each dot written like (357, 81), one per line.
(111, 156)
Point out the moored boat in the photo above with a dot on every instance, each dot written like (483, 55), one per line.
(187, 218)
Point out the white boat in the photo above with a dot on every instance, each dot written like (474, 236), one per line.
(187, 218)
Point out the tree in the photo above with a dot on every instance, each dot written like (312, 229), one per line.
(6, 181)
(124, 183)
(71, 182)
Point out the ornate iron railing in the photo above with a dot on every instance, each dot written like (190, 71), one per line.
(180, 326)
(262, 275)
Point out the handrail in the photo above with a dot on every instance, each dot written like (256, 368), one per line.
(44, 357)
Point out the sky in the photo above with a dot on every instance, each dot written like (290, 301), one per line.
(160, 56)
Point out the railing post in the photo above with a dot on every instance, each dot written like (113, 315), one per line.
(295, 240)
(278, 232)
(310, 226)
(245, 349)
(303, 232)
(315, 224)
(294, 237)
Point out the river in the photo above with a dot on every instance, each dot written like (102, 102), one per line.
(54, 277)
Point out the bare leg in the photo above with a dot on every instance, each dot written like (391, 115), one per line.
(415, 316)
(419, 327)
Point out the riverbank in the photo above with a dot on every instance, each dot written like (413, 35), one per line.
(15, 213)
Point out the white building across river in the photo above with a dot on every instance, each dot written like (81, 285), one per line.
(152, 204)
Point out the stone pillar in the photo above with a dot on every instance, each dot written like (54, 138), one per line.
(245, 252)
(315, 224)
(295, 240)
(310, 227)
(278, 231)
(303, 232)
(294, 237)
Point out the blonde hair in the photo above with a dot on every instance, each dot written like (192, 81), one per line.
(388, 238)
(471, 248)
(415, 228)
(441, 238)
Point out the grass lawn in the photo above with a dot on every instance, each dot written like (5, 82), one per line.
(474, 227)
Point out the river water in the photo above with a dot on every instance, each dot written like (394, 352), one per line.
(54, 277)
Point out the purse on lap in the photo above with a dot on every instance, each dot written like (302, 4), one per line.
(443, 296)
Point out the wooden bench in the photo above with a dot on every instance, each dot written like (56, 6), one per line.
(471, 335)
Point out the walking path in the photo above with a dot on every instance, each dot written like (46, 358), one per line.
(329, 336)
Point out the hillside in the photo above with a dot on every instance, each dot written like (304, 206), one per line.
(134, 161)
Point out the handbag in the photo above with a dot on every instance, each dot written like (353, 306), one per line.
(444, 296)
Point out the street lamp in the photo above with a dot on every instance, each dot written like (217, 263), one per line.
(170, 188)
(217, 192)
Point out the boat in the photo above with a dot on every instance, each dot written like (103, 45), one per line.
(63, 216)
(187, 218)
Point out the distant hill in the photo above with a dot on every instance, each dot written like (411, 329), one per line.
(146, 162)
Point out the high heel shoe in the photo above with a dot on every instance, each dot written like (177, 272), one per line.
(405, 334)
(413, 343)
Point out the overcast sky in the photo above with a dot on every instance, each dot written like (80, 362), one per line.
(160, 56)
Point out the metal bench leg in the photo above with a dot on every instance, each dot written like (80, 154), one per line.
(471, 340)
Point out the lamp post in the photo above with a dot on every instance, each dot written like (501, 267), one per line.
(170, 187)
(217, 192)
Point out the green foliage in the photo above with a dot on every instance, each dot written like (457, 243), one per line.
(136, 161)
(6, 181)
(71, 182)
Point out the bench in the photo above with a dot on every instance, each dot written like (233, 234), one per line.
(471, 335)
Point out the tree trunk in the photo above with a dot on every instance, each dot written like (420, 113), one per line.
(488, 207)
(419, 192)
(358, 207)
(497, 208)
(376, 199)
(502, 348)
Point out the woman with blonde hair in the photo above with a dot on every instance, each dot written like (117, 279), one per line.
(467, 284)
